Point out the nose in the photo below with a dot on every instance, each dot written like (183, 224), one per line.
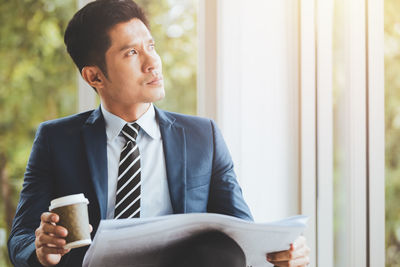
(151, 62)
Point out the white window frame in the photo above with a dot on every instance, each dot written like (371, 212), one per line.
(207, 59)
(307, 117)
(366, 120)
(365, 126)
(324, 103)
(376, 129)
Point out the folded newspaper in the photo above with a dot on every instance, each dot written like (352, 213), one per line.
(140, 242)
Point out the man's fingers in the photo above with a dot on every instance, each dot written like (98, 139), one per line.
(49, 217)
(50, 240)
(300, 242)
(285, 255)
(279, 256)
(65, 251)
(301, 252)
(90, 227)
(296, 256)
(45, 240)
(288, 255)
(297, 249)
(52, 250)
(38, 231)
(54, 229)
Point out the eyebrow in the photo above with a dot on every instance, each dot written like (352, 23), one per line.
(151, 40)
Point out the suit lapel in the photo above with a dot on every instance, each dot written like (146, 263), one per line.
(174, 144)
(95, 140)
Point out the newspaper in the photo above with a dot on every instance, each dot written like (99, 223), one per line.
(140, 242)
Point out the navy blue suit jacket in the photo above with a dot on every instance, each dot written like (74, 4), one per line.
(69, 156)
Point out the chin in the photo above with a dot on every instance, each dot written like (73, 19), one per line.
(158, 95)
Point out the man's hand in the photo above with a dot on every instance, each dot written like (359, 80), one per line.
(50, 240)
(296, 256)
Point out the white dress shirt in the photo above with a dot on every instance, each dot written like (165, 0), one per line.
(155, 198)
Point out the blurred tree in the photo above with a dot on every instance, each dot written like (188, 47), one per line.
(34, 87)
(392, 131)
(38, 78)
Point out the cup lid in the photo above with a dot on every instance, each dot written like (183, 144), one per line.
(68, 200)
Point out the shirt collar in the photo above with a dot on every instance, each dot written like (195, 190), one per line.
(147, 123)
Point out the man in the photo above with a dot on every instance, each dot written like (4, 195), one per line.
(128, 157)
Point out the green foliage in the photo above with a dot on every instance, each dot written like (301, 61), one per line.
(38, 79)
(34, 87)
(392, 131)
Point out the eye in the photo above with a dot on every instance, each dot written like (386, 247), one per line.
(132, 52)
(152, 46)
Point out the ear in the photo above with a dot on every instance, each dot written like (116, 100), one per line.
(93, 76)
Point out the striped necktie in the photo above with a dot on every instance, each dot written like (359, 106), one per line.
(127, 204)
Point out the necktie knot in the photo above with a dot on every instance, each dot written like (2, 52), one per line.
(130, 131)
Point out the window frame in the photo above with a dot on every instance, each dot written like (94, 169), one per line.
(365, 103)
(376, 132)
(315, 31)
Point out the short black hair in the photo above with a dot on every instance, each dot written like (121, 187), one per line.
(86, 36)
(210, 248)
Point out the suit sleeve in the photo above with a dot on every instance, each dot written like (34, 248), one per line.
(34, 200)
(225, 193)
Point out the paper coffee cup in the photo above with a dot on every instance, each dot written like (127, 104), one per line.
(73, 213)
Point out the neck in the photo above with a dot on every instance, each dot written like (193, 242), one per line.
(128, 113)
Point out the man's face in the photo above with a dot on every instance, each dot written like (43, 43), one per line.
(133, 66)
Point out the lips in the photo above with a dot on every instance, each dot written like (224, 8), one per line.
(155, 80)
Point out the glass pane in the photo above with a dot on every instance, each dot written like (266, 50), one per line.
(392, 131)
(37, 83)
(174, 27)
